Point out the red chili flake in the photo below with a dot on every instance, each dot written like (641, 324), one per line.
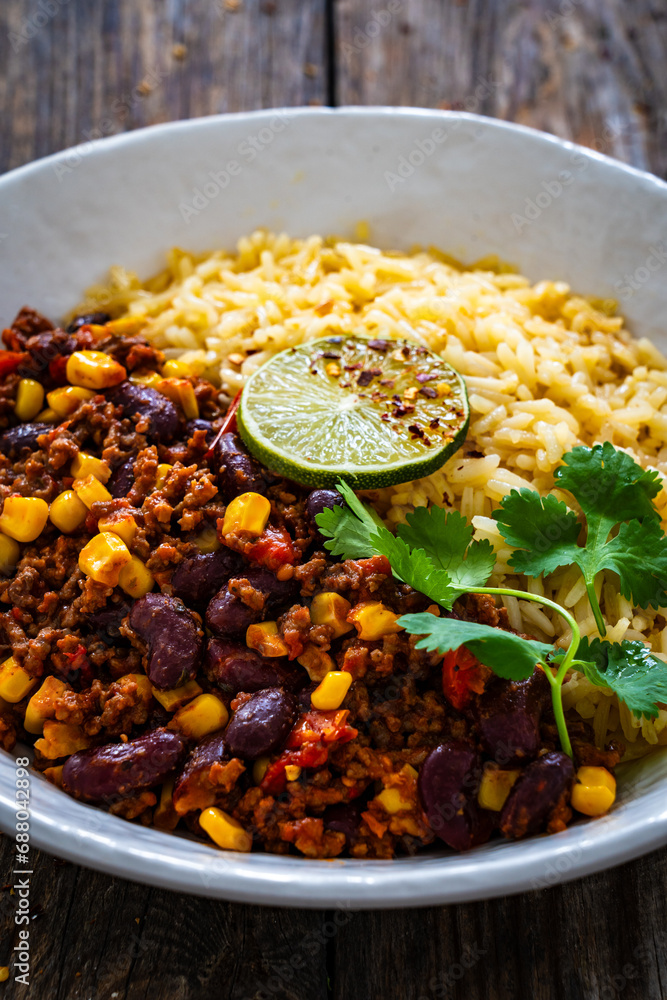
(389, 382)
(416, 430)
(385, 417)
(425, 377)
(435, 424)
(378, 345)
(330, 354)
(353, 368)
(428, 392)
(365, 377)
(403, 409)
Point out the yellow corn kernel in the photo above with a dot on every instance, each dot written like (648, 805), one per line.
(90, 491)
(4, 973)
(48, 416)
(175, 697)
(595, 791)
(180, 391)
(65, 400)
(259, 769)
(61, 739)
(331, 609)
(207, 541)
(122, 523)
(266, 639)
(67, 512)
(143, 684)
(41, 706)
(23, 518)
(316, 662)
(204, 715)
(176, 369)
(224, 830)
(165, 816)
(9, 554)
(372, 620)
(135, 578)
(150, 379)
(495, 786)
(29, 399)
(392, 801)
(248, 512)
(410, 771)
(292, 772)
(126, 326)
(103, 558)
(94, 370)
(332, 690)
(15, 682)
(84, 465)
(54, 775)
(163, 470)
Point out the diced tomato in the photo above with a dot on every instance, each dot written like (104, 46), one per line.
(309, 744)
(462, 676)
(79, 662)
(273, 549)
(58, 369)
(311, 755)
(10, 361)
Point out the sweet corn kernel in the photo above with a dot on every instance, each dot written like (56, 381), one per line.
(165, 816)
(126, 326)
(206, 714)
(495, 786)
(163, 470)
(595, 791)
(373, 621)
(316, 662)
(331, 609)
(103, 558)
(392, 801)
(90, 491)
(84, 465)
(23, 518)
(292, 772)
(61, 739)
(259, 769)
(135, 578)
(54, 775)
(29, 399)
(332, 690)
(9, 554)
(122, 523)
(94, 370)
(65, 400)
(150, 379)
(67, 512)
(41, 706)
(224, 830)
(181, 392)
(176, 369)
(175, 697)
(266, 639)
(143, 684)
(207, 541)
(4, 973)
(47, 416)
(248, 512)
(15, 682)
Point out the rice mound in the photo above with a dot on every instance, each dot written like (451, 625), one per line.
(546, 370)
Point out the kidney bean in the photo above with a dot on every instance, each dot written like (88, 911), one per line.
(197, 578)
(198, 424)
(227, 615)
(508, 716)
(108, 773)
(543, 785)
(318, 501)
(260, 725)
(233, 667)
(122, 480)
(173, 636)
(237, 471)
(448, 783)
(162, 415)
(14, 440)
(97, 318)
(105, 623)
(344, 817)
(194, 789)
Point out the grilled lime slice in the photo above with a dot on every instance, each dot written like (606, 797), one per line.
(370, 412)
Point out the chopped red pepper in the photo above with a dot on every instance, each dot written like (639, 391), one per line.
(462, 676)
(309, 743)
(58, 369)
(10, 361)
(273, 549)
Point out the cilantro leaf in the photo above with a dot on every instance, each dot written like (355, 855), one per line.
(629, 669)
(639, 555)
(446, 537)
(349, 529)
(416, 569)
(507, 654)
(542, 529)
(608, 484)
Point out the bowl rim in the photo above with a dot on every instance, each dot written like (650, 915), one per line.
(75, 831)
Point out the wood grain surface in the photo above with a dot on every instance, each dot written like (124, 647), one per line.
(591, 70)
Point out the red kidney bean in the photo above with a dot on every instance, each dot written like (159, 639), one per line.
(108, 773)
(200, 576)
(233, 667)
(344, 817)
(97, 318)
(105, 623)
(318, 501)
(544, 784)
(198, 424)
(194, 784)
(173, 636)
(508, 717)
(260, 725)
(228, 616)
(162, 415)
(237, 471)
(122, 480)
(14, 440)
(448, 783)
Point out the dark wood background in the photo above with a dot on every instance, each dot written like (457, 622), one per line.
(590, 70)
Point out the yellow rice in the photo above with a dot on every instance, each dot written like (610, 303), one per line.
(546, 369)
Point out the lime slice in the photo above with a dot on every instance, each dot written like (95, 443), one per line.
(370, 412)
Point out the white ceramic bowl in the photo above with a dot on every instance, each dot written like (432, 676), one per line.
(470, 185)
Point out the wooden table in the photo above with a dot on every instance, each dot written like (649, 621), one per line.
(591, 70)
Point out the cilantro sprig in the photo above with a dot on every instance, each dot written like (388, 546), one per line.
(435, 553)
